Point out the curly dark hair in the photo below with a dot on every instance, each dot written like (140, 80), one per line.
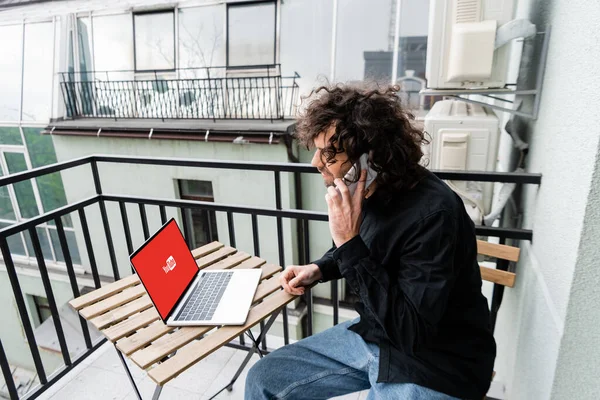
(367, 120)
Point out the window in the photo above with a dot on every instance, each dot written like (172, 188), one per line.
(10, 72)
(40, 309)
(203, 223)
(37, 71)
(29, 198)
(154, 40)
(251, 34)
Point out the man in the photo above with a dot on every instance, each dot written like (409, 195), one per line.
(407, 249)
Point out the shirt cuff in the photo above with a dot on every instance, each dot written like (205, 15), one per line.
(347, 255)
(329, 270)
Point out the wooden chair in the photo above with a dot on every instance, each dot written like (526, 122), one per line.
(499, 276)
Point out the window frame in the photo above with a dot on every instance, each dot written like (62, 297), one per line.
(211, 215)
(159, 11)
(245, 4)
(45, 227)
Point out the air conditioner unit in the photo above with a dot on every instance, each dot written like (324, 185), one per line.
(461, 46)
(464, 137)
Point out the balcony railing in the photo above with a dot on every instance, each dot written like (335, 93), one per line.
(192, 93)
(101, 199)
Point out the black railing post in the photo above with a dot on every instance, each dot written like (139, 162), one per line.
(187, 233)
(277, 174)
(144, 219)
(163, 214)
(231, 229)
(127, 231)
(37, 248)
(72, 278)
(16, 287)
(256, 244)
(89, 247)
(7, 373)
(308, 294)
(107, 232)
(335, 298)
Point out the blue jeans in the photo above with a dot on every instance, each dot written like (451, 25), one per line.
(332, 363)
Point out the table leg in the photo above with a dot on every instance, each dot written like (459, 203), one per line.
(157, 392)
(255, 345)
(158, 388)
(135, 389)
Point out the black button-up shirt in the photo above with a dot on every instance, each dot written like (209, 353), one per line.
(414, 269)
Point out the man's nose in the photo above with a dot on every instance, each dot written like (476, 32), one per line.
(316, 160)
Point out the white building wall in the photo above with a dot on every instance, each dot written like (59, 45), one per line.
(535, 316)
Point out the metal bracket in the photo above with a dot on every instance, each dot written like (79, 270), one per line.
(493, 93)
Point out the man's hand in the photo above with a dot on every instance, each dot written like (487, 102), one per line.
(345, 210)
(295, 277)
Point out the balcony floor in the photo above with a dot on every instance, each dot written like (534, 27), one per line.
(101, 376)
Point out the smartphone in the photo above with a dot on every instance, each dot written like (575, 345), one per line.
(351, 178)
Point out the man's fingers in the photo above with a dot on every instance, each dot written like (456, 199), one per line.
(287, 276)
(297, 281)
(360, 188)
(334, 195)
(343, 189)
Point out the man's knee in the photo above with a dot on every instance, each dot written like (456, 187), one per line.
(257, 380)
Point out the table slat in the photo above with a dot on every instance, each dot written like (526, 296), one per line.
(104, 292)
(206, 249)
(143, 337)
(214, 257)
(197, 350)
(230, 261)
(269, 270)
(115, 301)
(120, 313)
(131, 324)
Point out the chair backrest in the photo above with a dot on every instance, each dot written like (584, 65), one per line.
(501, 252)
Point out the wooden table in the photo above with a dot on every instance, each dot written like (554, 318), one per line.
(124, 313)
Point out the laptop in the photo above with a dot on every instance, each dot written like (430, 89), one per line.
(185, 295)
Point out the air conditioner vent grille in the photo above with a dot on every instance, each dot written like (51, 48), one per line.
(467, 11)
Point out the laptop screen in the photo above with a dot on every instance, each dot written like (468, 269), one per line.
(165, 266)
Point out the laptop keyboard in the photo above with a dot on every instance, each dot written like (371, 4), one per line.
(205, 297)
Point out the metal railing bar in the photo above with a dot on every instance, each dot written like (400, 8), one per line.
(72, 278)
(37, 248)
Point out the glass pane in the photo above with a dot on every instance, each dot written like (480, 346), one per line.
(251, 34)
(84, 32)
(197, 188)
(295, 48)
(23, 190)
(6, 208)
(363, 53)
(15, 242)
(201, 38)
(10, 135)
(85, 64)
(154, 41)
(41, 153)
(204, 226)
(37, 78)
(10, 72)
(71, 243)
(41, 232)
(113, 44)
